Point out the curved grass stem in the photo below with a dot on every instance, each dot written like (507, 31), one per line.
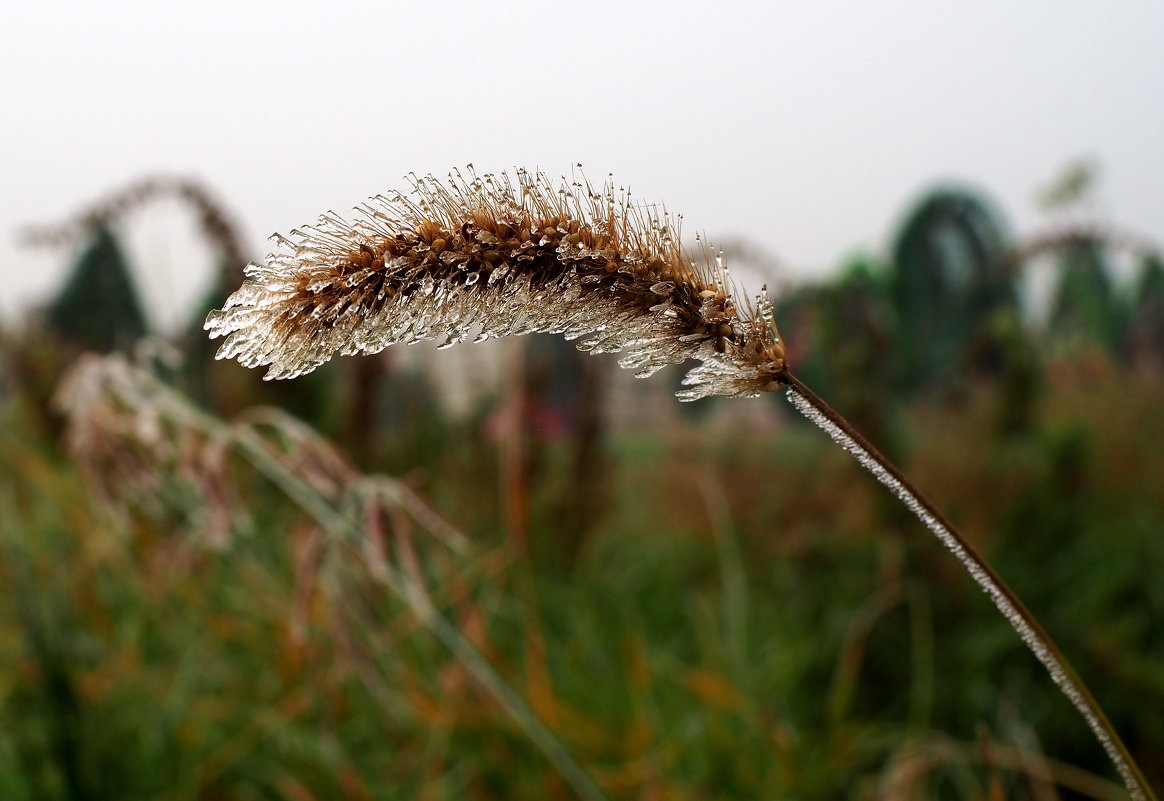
(346, 531)
(1021, 620)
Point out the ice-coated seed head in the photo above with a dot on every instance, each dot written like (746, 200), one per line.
(488, 256)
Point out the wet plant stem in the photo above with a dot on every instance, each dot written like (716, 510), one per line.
(1020, 618)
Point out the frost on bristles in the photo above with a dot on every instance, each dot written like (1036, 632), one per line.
(489, 256)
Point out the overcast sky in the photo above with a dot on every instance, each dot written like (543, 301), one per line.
(806, 127)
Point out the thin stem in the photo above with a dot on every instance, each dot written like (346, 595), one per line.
(1024, 623)
(347, 532)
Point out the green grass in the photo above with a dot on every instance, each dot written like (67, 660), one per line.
(748, 620)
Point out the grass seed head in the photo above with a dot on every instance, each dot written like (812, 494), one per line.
(489, 255)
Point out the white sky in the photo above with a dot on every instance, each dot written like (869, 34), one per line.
(806, 127)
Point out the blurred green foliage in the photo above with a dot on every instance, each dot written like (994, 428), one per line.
(749, 619)
(98, 306)
(1086, 309)
(950, 273)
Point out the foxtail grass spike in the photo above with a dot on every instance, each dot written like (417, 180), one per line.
(489, 256)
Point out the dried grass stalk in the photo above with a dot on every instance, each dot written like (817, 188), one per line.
(104, 396)
(490, 256)
(215, 222)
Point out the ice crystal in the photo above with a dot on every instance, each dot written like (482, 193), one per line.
(488, 256)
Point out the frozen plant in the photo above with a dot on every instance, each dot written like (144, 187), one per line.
(488, 256)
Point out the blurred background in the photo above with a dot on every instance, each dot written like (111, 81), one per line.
(510, 570)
